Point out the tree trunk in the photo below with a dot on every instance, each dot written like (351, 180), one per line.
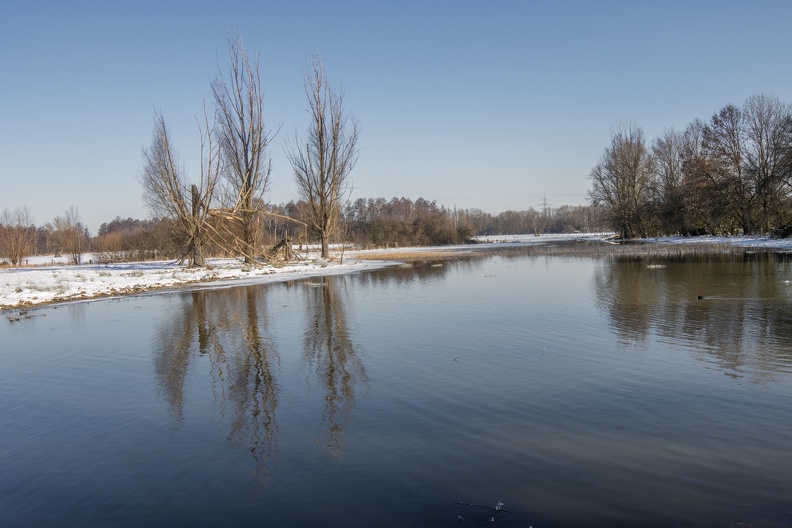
(248, 238)
(325, 244)
(197, 250)
(197, 256)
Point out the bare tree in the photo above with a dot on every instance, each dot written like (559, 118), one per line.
(669, 192)
(730, 174)
(723, 146)
(323, 161)
(620, 181)
(700, 204)
(17, 234)
(767, 134)
(243, 141)
(69, 234)
(168, 193)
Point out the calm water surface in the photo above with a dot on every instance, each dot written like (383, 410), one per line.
(578, 391)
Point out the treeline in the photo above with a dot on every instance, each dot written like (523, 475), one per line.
(136, 240)
(400, 221)
(21, 238)
(365, 223)
(729, 175)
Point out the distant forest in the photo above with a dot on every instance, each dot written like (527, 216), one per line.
(367, 223)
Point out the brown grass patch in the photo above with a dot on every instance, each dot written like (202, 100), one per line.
(574, 248)
(406, 255)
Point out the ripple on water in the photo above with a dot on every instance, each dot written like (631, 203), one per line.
(579, 392)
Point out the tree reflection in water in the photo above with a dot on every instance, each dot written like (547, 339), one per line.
(330, 351)
(229, 329)
(225, 326)
(741, 320)
(254, 391)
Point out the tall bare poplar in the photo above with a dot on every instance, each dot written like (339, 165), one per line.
(169, 193)
(243, 141)
(322, 162)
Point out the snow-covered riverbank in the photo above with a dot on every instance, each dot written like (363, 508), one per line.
(52, 281)
(26, 287)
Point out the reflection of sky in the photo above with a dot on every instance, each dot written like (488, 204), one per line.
(485, 342)
(486, 379)
(477, 307)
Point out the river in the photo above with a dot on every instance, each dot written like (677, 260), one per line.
(576, 390)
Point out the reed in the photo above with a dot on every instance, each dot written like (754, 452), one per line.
(410, 255)
(641, 250)
(591, 249)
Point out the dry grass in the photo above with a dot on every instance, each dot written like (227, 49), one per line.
(407, 255)
(597, 249)
(639, 249)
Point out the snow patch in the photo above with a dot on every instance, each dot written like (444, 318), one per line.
(24, 287)
(30, 286)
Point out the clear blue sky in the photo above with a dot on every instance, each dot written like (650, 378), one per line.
(493, 105)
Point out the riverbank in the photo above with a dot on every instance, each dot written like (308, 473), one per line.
(23, 288)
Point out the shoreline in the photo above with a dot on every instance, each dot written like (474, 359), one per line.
(23, 289)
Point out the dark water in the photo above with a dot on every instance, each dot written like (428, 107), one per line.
(578, 391)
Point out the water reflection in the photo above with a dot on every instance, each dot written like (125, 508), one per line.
(543, 409)
(254, 391)
(333, 355)
(408, 273)
(730, 310)
(223, 336)
(228, 327)
(77, 313)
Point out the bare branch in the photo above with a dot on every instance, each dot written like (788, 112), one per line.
(168, 193)
(17, 234)
(322, 163)
(243, 141)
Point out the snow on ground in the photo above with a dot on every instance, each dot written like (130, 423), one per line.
(551, 237)
(758, 242)
(24, 287)
(55, 281)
